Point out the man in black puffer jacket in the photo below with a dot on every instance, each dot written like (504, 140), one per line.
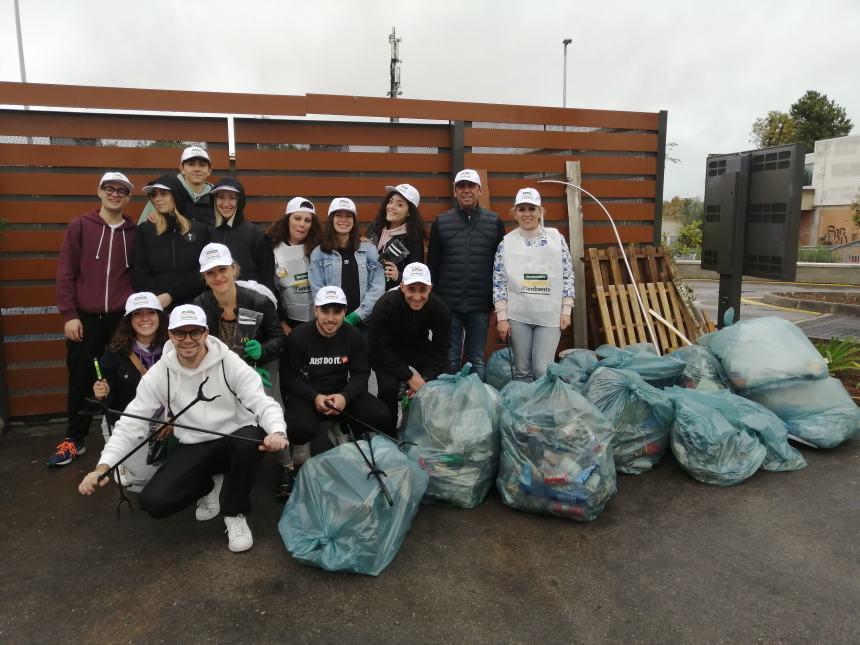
(247, 241)
(463, 243)
(411, 328)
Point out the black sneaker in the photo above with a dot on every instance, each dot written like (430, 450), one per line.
(285, 479)
(66, 453)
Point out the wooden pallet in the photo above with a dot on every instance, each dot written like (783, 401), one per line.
(614, 312)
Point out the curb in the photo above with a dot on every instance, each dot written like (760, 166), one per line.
(812, 305)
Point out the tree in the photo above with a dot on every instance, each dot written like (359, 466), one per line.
(855, 210)
(817, 117)
(684, 209)
(775, 129)
(689, 240)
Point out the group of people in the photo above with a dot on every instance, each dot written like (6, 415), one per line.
(199, 330)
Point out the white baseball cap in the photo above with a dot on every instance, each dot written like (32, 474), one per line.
(416, 272)
(468, 174)
(223, 187)
(342, 204)
(215, 255)
(330, 296)
(527, 196)
(407, 191)
(150, 187)
(195, 152)
(300, 205)
(118, 178)
(142, 300)
(187, 315)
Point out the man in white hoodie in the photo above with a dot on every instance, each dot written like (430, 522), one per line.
(195, 468)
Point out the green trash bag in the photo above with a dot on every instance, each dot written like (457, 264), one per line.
(761, 351)
(499, 372)
(453, 434)
(818, 412)
(576, 366)
(338, 517)
(642, 358)
(555, 451)
(641, 416)
(707, 445)
(758, 421)
(703, 371)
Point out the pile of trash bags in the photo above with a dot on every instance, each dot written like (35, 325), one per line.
(453, 433)
(640, 413)
(339, 518)
(642, 358)
(770, 361)
(576, 366)
(556, 456)
(703, 370)
(499, 370)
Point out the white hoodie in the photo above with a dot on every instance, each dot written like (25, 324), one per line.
(225, 414)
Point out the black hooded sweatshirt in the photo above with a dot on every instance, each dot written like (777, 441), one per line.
(248, 244)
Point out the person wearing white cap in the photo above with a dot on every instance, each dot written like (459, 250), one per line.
(246, 241)
(94, 278)
(343, 260)
(532, 288)
(168, 246)
(293, 238)
(397, 228)
(135, 347)
(326, 372)
(460, 253)
(194, 170)
(241, 317)
(410, 336)
(201, 463)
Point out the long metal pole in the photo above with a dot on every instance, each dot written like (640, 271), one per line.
(565, 42)
(20, 44)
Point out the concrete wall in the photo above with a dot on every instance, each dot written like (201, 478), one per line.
(836, 171)
(811, 272)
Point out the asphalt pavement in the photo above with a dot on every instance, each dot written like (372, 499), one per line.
(671, 560)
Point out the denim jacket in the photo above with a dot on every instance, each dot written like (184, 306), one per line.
(325, 271)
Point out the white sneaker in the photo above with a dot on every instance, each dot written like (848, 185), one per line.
(238, 533)
(209, 505)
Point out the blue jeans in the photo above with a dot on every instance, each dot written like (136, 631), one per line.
(475, 326)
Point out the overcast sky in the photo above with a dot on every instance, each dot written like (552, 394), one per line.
(714, 66)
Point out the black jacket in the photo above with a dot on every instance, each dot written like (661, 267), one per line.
(247, 242)
(460, 256)
(400, 336)
(416, 251)
(122, 377)
(170, 262)
(316, 364)
(270, 335)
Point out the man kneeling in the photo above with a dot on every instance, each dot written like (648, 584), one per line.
(234, 404)
(327, 372)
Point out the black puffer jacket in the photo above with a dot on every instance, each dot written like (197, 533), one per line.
(460, 256)
(415, 247)
(247, 242)
(400, 337)
(170, 262)
(269, 334)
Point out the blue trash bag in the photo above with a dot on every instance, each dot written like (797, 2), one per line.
(642, 358)
(576, 366)
(498, 372)
(758, 421)
(338, 518)
(703, 371)
(707, 445)
(761, 351)
(454, 426)
(640, 413)
(555, 451)
(820, 412)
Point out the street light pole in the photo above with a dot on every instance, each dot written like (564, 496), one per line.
(565, 42)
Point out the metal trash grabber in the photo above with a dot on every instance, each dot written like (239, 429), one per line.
(200, 397)
(371, 463)
(104, 407)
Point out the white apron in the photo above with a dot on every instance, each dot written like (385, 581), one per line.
(291, 275)
(534, 279)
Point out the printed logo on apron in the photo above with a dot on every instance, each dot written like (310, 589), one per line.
(536, 284)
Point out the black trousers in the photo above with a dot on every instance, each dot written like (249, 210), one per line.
(98, 329)
(187, 475)
(303, 420)
(388, 386)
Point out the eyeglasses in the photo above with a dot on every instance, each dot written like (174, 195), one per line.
(112, 190)
(180, 334)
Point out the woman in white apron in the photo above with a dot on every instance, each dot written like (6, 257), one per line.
(293, 238)
(532, 288)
